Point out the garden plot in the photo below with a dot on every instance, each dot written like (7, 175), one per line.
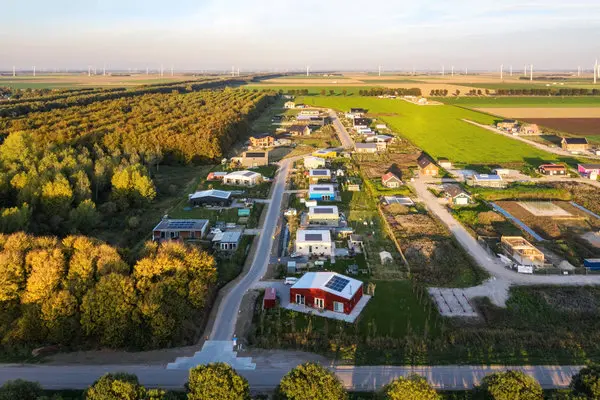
(544, 209)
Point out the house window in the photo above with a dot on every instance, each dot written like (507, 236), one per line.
(299, 299)
(338, 307)
(319, 303)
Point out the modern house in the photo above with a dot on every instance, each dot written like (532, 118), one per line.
(227, 241)
(211, 197)
(299, 130)
(488, 180)
(321, 192)
(325, 153)
(327, 291)
(529, 129)
(552, 169)
(265, 140)
(313, 162)
(521, 251)
(242, 178)
(324, 215)
(457, 195)
(427, 166)
(574, 144)
(365, 148)
(251, 159)
(184, 229)
(390, 180)
(510, 125)
(316, 175)
(289, 105)
(444, 163)
(591, 171)
(314, 243)
(361, 123)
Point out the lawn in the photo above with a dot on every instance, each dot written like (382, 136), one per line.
(525, 101)
(440, 130)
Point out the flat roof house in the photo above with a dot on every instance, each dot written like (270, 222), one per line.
(227, 241)
(313, 162)
(365, 148)
(325, 153)
(390, 180)
(321, 192)
(314, 242)
(327, 291)
(243, 178)
(358, 111)
(299, 130)
(211, 197)
(175, 229)
(251, 159)
(324, 215)
(521, 251)
(488, 180)
(361, 123)
(552, 169)
(574, 144)
(427, 166)
(316, 175)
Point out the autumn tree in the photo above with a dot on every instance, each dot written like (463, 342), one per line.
(413, 387)
(84, 217)
(509, 385)
(217, 381)
(118, 386)
(132, 186)
(310, 381)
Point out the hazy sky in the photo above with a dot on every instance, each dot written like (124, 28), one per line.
(327, 34)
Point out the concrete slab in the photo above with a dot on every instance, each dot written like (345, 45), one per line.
(214, 351)
(452, 302)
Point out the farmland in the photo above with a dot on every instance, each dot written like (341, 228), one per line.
(440, 131)
(529, 101)
(576, 126)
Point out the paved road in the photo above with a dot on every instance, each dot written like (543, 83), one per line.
(483, 258)
(347, 142)
(540, 146)
(227, 313)
(362, 378)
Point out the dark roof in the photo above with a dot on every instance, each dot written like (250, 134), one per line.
(357, 110)
(361, 121)
(553, 166)
(181, 224)
(454, 190)
(259, 154)
(323, 210)
(575, 140)
(424, 160)
(319, 172)
(316, 237)
(297, 128)
(509, 121)
(590, 166)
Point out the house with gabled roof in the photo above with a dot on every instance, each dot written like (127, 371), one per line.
(327, 291)
(427, 166)
(391, 180)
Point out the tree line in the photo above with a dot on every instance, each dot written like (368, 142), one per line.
(548, 92)
(310, 381)
(78, 292)
(382, 91)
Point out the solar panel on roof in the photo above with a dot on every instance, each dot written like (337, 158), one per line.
(313, 237)
(249, 173)
(337, 283)
(321, 188)
(323, 210)
(319, 172)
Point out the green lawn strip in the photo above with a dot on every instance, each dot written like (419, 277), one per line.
(522, 101)
(313, 90)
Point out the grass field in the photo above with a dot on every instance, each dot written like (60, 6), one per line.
(532, 101)
(440, 131)
(312, 90)
(73, 81)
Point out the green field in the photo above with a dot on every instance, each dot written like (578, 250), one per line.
(38, 85)
(531, 101)
(440, 131)
(312, 90)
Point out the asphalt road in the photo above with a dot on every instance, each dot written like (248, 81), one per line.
(361, 378)
(347, 142)
(227, 313)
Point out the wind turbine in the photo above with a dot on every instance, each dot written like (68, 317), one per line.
(162, 70)
(501, 72)
(511, 70)
(34, 71)
(452, 70)
(104, 70)
(595, 71)
(89, 70)
(380, 70)
(171, 70)
(443, 70)
(530, 72)
(578, 71)
(14, 72)
(307, 70)
(466, 71)
(525, 70)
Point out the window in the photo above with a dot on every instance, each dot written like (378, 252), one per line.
(299, 299)
(338, 307)
(319, 303)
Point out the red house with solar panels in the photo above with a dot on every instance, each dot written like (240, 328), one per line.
(327, 290)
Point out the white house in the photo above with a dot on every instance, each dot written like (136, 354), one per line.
(365, 148)
(242, 178)
(321, 192)
(313, 162)
(324, 215)
(314, 242)
(289, 104)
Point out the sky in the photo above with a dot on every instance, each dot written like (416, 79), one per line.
(288, 35)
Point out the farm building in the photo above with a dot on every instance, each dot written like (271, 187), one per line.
(316, 175)
(509, 125)
(227, 241)
(488, 180)
(243, 178)
(444, 163)
(289, 105)
(552, 169)
(211, 198)
(265, 140)
(529, 129)
(591, 171)
(299, 130)
(365, 148)
(360, 123)
(321, 192)
(426, 165)
(313, 162)
(251, 159)
(521, 251)
(457, 195)
(216, 176)
(381, 126)
(574, 144)
(270, 298)
(314, 242)
(390, 180)
(175, 229)
(325, 153)
(327, 290)
(324, 215)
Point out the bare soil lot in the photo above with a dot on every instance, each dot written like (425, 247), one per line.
(580, 126)
(542, 112)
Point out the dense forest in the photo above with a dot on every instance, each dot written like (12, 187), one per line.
(64, 169)
(79, 292)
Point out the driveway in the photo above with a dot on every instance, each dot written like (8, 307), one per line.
(347, 142)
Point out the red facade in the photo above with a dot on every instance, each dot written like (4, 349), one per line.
(328, 298)
(270, 298)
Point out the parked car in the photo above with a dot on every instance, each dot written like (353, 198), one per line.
(290, 280)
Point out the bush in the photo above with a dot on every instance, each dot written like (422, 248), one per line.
(587, 382)
(413, 387)
(509, 385)
(217, 381)
(20, 390)
(310, 381)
